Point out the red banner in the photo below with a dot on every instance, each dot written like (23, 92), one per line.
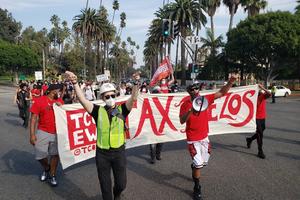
(163, 71)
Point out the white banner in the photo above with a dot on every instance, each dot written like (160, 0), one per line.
(102, 77)
(154, 118)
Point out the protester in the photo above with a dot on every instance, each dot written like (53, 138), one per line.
(44, 139)
(89, 93)
(35, 93)
(110, 122)
(155, 149)
(197, 130)
(260, 121)
(165, 84)
(122, 89)
(273, 92)
(23, 101)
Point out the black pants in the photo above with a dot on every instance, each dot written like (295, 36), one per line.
(115, 160)
(24, 114)
(273, 97)
(155, 150)
(260, 127)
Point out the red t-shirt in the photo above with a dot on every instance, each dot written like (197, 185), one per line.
(261, 105)
(43, 107)
(36, 93)
(44, 88)
(197, 125)
(164, 88)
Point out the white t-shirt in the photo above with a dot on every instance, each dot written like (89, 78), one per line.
(89, 93)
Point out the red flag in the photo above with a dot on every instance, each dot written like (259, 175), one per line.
(163, 71)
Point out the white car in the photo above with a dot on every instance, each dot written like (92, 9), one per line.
(282, 91)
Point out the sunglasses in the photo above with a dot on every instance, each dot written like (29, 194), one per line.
(192, 89)
(108, 96)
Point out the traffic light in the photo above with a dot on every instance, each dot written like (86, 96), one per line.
(175, 29)
(166, 27)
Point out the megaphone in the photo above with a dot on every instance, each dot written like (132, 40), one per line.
(200, 104)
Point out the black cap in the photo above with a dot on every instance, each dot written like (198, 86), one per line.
(55, 87)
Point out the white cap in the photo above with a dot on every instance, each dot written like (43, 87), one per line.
(107, 87)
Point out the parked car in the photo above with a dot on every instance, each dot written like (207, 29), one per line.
(281, 91)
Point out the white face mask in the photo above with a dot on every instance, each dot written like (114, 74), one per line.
(163, 82)
(110, 102)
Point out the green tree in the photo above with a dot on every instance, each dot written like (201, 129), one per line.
(188, 14)
(265, 44)
(9, 27)
(253, 6)
(297, 8)
(212, 43)
(232, 6)
(116, 6)
(212, 6)
(122, 23)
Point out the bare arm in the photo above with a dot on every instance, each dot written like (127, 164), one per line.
(225, 88)
(264, 89)
(186, 116)
(33, 121)
(172, 79)
(132, 98)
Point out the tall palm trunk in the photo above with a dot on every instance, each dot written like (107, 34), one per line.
(176, 57)
(212, 26)
(231, 16)
(183, 60)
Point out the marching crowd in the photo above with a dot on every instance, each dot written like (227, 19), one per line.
(38, 98)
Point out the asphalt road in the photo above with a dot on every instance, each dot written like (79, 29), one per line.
(233, 173)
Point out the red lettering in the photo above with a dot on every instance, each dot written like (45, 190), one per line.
(223, 115)
(146, 114)
(250, 105)
(210, 117)
(234, 110)
(164, 113)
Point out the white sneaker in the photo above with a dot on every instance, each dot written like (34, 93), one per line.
(44, 176)
(53, 181)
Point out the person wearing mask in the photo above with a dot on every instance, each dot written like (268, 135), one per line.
(164, 84)
(43, 132)
(197, 130)
(22, 99)
(110, 123)
(260, 121)
(89, 93)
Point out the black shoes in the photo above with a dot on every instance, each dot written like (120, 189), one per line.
(158, 156)
(249, 141)
(197, 193)
(261, 155)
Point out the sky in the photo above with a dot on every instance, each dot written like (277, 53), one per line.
(139, 13)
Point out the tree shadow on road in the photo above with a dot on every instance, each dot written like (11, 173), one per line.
(230, 147)
(158, 178)
(21, 163)
(12, 115)
(13, 122)
(283, 130)
(288, 155)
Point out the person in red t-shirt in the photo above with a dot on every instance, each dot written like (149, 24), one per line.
(197, 130)
(35, 93)
(260, 121)
(44, 139)
(164, 84)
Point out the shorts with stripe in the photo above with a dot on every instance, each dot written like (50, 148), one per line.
(200, 152)
(45, 145)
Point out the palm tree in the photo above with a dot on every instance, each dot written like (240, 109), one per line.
(87, 24)
(298, 8)
(188, 14)
(116, 6)
(212, 43)
(232, 6)
(211, 10)
(253, 6)
(122, 23)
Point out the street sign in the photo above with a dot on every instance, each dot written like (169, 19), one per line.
(193, 40)
(22, 77)
(38, 75)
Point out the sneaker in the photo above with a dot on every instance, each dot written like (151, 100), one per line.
(158, 157)
(197, 194)
(44, 176)
(261, 155)
(53, 181)
(249, 141)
